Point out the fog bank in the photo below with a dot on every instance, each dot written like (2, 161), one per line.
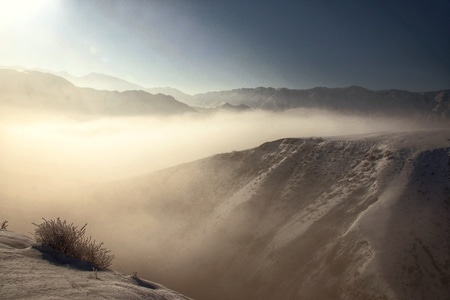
(111, 148)
(51, 165)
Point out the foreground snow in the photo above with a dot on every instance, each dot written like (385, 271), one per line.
(28, 273)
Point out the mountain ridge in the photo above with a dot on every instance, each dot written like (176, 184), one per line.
(315, 218)
(350, 99)
(101, 81)
(425, 106)
(33, 89)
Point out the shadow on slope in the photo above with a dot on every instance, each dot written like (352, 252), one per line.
(417, 263)
(57, 258)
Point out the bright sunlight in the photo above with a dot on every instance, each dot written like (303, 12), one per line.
(14, 12)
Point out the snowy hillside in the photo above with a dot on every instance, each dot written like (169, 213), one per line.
(356, 217)
(28, 273)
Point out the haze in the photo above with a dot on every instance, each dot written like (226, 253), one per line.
(98, 149)
(106, 148)
(51, 161)
(44, 154)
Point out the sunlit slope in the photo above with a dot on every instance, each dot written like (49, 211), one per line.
(361, 217)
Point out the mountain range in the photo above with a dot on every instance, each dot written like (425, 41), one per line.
(99, 93)
(352, 99)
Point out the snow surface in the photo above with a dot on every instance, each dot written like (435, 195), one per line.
(28, 273)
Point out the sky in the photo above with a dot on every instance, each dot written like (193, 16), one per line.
(200, 46)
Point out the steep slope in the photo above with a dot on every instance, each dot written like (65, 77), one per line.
(351, 99)
(37, 90)
(28, 273)
(339, 218)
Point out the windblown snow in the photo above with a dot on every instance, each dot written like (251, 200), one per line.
(350, 217)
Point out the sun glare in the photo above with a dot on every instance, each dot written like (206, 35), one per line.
(15, 12)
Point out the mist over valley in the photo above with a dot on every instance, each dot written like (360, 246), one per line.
(292, 203)
(224, 150)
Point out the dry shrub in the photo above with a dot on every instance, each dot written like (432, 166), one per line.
(70, 240)
(4, 225)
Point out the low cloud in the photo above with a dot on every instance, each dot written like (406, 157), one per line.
(108, 148)
(46, 160)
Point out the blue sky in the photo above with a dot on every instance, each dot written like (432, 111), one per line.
(200, 46)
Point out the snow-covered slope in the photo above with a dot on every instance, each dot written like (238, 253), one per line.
(28, 273)
(356, 217)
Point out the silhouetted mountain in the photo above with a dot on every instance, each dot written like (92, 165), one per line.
(350, 99)
(101, 82)
(228, 106)
(177, 94)
(34, 89)
(362, 217)
(224, 107)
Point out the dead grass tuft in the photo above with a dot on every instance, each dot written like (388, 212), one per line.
(4, 225)
(70, 240)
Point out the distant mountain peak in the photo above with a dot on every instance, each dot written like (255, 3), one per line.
(101, 81)
(35, 89)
